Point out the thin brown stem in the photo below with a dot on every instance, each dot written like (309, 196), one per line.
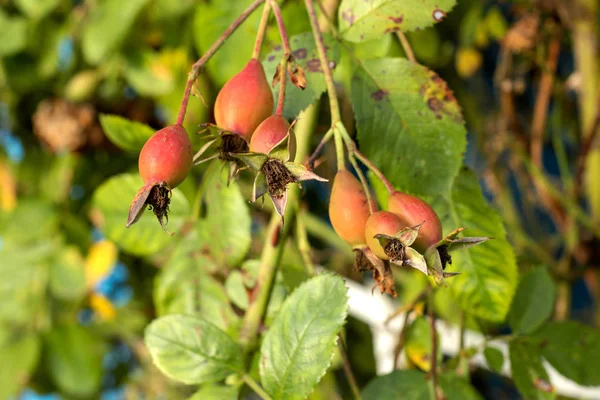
(406, 46)
(262, 30)
(434, 345)
(287, 54)
(334, 106)
(197, 67)
(310, 163)
(348, 370)
(540, 110)
(333, 101)
(401, 339)
(363, 159)
(285, 41)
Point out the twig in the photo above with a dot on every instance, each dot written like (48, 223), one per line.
(331, 91)
(434, 344)
(363, 159)
(262, 30)
(256, 387)
(406, 46)
(287, 53)
(540, 110)
(401, 338)
(193, 75)
(310, 163)
(348, 369)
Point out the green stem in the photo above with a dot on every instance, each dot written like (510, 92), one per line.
(334, 106)
(287, 53)
(256, 387)
(262, 30)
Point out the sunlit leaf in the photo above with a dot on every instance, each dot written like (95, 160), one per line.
(488, 278)
(298, 348)
(361, 20)
(192, 350)
(409, 124)
(128, 135)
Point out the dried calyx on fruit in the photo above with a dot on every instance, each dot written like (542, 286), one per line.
(349, 208)
(164, 162)
(271, 162)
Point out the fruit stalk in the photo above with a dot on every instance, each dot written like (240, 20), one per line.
(363, 159)
(262, 30)
(287, 52)
(333, 101)
(193, 75)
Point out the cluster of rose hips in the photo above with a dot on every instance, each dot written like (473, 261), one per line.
(247, 136)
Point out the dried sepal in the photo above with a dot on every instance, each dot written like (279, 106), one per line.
(414, 259)
(281, 150)
(279, 202)
(157, 197)
(301, 173)
(260, 187)
(138, 205)
(254, 161)
(384, 240)
(382, 273)
(408, 235)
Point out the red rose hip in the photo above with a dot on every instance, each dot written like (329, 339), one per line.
(348, 208)
(166, 157)
(244, 101)
(412, 211)
(268, 134)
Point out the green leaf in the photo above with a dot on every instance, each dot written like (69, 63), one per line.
(36, 9)
(67, 275)
(361, 20)
(20, 357)
(111, 202)
(494, 358)
(210, 21)
(108, 27)
(225, 231)
(418, 343)
(14, 32)
(299, 346)
(191, 350)
(528, 372)
(533, 302)
(413, 385)
(128, 135)
(307, 57)
(573, 349)
(409, 124)
(489, 274)
(148, 74)
(215, 392)
(74, 360)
